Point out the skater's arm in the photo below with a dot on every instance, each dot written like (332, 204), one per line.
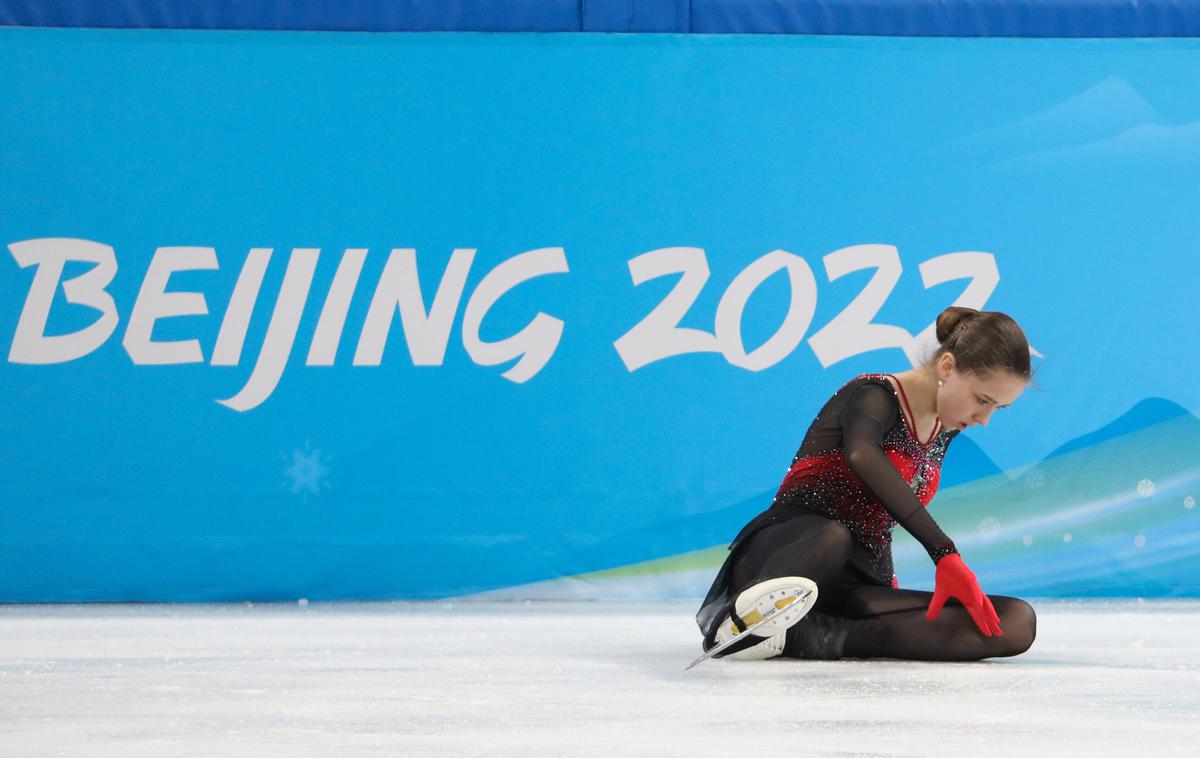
(869, 413)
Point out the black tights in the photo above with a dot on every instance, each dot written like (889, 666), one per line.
(882, 622)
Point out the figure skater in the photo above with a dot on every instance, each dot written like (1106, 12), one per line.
(870, 460)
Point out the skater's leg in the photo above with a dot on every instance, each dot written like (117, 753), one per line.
(803, 551)
(809, 545)
(881, 622)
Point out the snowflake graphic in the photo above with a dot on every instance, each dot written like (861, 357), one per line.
(307, 472)
(1035, 478)
(989, 527)
(1145, 488)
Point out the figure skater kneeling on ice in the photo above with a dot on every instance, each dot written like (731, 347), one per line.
(814, 570)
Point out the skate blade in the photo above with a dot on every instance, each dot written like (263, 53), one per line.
(780, 606)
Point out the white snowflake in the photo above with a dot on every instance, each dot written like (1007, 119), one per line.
(1027, 540)
(1139, 541)
(1145, 488)
(1067, 537)
(989, 527)
(307, 472)
(1189, 502)
(1035, 478)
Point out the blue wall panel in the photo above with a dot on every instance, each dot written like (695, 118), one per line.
(356, 315)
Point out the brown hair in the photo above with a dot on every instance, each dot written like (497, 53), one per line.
(982, 342)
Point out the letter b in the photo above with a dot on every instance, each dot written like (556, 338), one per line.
(30, 343)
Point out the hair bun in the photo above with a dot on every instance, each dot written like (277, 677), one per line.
(951, 319)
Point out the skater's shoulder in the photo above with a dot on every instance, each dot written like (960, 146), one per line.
(880, 386)
(873, 395)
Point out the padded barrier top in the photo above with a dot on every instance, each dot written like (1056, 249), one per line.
(934, 18)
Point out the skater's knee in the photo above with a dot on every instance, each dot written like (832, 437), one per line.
(1019, 622)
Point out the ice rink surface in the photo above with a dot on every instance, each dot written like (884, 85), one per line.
(1111, 678)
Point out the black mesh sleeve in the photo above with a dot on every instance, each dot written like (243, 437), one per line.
(868, 415)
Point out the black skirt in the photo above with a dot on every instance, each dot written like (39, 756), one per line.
(863, 567)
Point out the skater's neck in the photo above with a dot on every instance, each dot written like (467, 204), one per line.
(920, 390)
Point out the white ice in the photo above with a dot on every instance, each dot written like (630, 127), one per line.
(570, 679)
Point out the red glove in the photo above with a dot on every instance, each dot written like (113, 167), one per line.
(955, 580)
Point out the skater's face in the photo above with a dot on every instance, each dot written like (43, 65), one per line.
(966, 399)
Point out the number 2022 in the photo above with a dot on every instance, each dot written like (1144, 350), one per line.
(851, 332)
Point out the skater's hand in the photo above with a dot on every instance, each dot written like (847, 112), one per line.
(955, 580)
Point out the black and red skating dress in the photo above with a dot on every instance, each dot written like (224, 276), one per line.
(862, 464)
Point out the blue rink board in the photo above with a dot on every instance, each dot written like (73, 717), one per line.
(1052, 179)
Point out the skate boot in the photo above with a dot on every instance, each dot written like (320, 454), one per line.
(790, 597)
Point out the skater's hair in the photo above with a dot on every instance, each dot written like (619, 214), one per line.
(982, 342)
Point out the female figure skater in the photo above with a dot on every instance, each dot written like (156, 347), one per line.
(821, 553)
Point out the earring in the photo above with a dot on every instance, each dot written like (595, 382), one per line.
(940, 382)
